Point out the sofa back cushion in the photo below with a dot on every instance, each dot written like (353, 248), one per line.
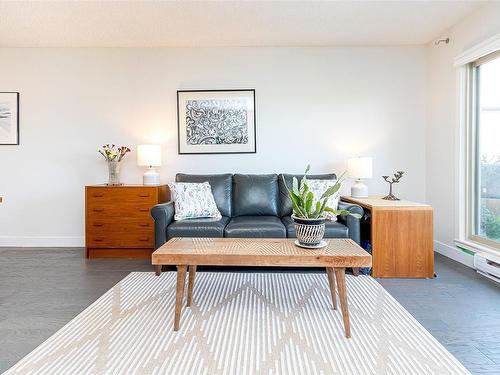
(285, 204)
(221, 188)
(255, 194)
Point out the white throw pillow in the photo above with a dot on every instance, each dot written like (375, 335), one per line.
(318, 187)
(193, 200)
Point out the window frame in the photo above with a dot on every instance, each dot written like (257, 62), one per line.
(472, 158)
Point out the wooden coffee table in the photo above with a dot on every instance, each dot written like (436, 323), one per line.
(191, 252)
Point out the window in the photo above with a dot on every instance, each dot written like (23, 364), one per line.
(484, 155)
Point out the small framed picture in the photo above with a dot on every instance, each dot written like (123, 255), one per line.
(216, 121)
(9, 118)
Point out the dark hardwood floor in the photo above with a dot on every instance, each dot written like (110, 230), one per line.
(460, 308)
(43, 289)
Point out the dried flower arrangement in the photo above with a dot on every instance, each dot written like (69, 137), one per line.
(111, 153)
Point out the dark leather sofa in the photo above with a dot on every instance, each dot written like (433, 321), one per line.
(251, 206)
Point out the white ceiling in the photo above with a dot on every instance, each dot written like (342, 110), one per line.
(226, 23)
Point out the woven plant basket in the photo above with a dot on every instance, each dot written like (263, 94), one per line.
(309, 232)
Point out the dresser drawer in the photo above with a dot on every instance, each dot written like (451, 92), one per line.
(136, 239)
(106, 195)
(119, 224)
(96, 210)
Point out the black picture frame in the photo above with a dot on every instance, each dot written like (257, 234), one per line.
(253, 126)
(16, 100)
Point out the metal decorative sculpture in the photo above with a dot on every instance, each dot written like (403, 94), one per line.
(395, 179)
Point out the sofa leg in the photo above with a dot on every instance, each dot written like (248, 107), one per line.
(355, 271)
(157, 270)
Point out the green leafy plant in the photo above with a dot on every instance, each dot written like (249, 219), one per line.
(490, 223)
(303, 199)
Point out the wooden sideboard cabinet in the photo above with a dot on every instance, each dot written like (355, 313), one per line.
(401, 236)
(118, 223)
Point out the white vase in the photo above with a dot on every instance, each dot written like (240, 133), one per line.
(114, 173)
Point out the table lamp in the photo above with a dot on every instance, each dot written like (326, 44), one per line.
(149, 156)
(360, 168)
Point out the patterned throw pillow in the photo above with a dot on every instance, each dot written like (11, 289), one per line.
(318, 187)
(193, 200)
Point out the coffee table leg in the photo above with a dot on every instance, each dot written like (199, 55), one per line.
(340, 276)
(355, 271)
(192, 274)
(157, 270)
(179, 295)
(331, 282)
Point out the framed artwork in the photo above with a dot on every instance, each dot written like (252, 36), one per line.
(9, 118)
(216, 121)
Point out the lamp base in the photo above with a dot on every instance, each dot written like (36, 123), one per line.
(151, 177)
(359, 190)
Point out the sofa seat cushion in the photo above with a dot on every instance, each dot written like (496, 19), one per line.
(333, 229)
(206, 227)
(255, 226)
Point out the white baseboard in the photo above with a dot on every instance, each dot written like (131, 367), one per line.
(49, 241)
(13, 241)
(454, 253)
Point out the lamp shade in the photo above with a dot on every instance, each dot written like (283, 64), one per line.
(149, 155)
(360, 167)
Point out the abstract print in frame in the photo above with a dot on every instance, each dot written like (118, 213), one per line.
(216, 121)
(9, 118)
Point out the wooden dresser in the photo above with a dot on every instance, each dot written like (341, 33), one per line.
(118, 223)
(401, 236)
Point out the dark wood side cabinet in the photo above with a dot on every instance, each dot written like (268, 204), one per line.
(118, 223)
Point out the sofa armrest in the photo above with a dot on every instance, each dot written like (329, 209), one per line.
(163, 215)
(350, 221)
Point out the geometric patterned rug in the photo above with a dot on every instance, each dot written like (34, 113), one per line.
(241, 323)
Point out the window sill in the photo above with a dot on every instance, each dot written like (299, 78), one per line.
(477, 247)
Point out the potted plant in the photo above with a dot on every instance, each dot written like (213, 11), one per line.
(309, 211)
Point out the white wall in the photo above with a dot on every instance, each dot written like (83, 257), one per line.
(317, 105)
(443, 123)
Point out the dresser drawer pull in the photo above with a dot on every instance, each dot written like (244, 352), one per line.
(143, 195)
(98, 224)
(144, 224)
(98, 239)
(98, 195)
(144, 239)
(98, 209)
(144, 209)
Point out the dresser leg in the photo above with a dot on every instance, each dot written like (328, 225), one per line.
(179, 295)
(340, 276)
(157, 270)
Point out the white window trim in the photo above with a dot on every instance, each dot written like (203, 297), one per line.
(462, 196)
(482, 49)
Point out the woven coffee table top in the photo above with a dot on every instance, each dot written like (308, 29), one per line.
(259, 252)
